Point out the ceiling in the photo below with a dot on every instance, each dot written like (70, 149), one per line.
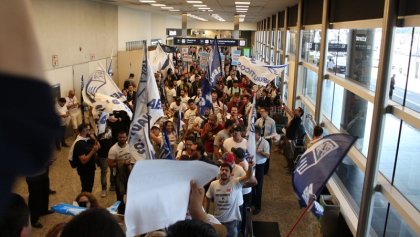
(257, 10)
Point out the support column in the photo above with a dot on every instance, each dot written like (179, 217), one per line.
(321, 67)
(184, 24)
(235, 32)
(297, 54)
(372, 163)
(283, 48)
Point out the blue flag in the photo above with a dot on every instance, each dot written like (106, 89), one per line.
(166, 148)
(317, 165)
(214, 72)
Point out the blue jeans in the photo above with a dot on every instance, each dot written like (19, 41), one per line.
(232, 228)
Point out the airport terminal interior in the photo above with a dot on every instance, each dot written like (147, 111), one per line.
(353, 67)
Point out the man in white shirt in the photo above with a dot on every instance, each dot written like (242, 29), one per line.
(119, 157)
(74, 110)
(190, 114)
(262, 155)
(235, 141)
(177, 105)
(63, 112)
(227, 194)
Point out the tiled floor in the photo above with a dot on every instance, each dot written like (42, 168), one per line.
(279, 201)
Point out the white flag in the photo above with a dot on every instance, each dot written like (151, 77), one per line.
(251, 148)
(259, 73)
(148, 111)
(100, 89)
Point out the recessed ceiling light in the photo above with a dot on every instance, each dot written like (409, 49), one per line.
(147, 1)
(194, 2)
(242, 6)
(242, 3)
(158, 5)
(167, 8)
(173, 10)
(204, 8)
(202, 5)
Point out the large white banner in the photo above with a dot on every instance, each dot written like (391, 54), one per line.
(148, 111)
(259, 73)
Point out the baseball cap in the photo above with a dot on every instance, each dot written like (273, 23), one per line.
(228, 158)
(239, 152)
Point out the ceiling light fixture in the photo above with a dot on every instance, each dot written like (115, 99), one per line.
(173, 10)
(241, 11)
(158, 5)
(167, 8)
(196, 17)
(200, 5)
(147, 1)
(242, 6)
(217, 17)
(194, 2)
(204, 8)
(242, 3)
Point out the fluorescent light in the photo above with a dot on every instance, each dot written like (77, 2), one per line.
(173, 10)
(204, 8)
(194, 2)
(200, 5)
(158, 5)
(209, 10)
(241, 11)
(196, 17)
(217, 17)
(242, 3)
(167, 8)
(147, 1)
(242, 6)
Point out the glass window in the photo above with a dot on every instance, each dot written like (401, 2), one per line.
(272, 38)
(352, 114)
(279, 39)
(407, 173)
(307, 120)
(396, 226)
(354, 54)
(405, 40)
(389, 146)
(307, 83)
(327, 98)
(310, 46)
(291, 42)
(351, 178)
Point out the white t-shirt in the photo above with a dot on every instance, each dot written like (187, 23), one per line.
(184, 100)
(190, 115)
(72, 101)
(170, 94)
(227, 199)
(120, 153)
(237, 172)
(62, 111)
(176, 107)
(229, 143)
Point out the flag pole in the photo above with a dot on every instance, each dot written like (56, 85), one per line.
(306, 210)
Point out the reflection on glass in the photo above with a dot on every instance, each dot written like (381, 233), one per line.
(327, 98)
(310, 46)
(389, 146)
(307, 120)
(379, 213)
(352, 179)
(279, 40)
(407, 173)
(413, 88)
(354, 54)
(353, 115)
(307, 83)
(396, 226)
(291, 42)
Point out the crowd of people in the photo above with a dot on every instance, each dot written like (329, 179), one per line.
(216, 135)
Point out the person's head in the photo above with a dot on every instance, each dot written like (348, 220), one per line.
(214, 96)
(225, 171)
(258, 132)
(169, 126)
(130, 88)
(189, 141)
(71, 93)
(229, 124)
(127, 83)
(235, 83)
(207, 111)
(237, 134)
(318, 131)
(199, 93)
(86, 199)
(263, 113)
(191, 104)
(212, 119)
(245, 99)
(239, 154)
(234, 110)
(61, 101)
(93, 222)
(14, 221)
(122, 138)
(235, 98)
(178, 101)
(155, 129)
(197, 150)
(191, 228)
(83, 130)
(182, 92)
(298, 112)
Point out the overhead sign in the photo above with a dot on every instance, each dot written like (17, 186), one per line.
(207, 41)
(173, 32)
(235, 57)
